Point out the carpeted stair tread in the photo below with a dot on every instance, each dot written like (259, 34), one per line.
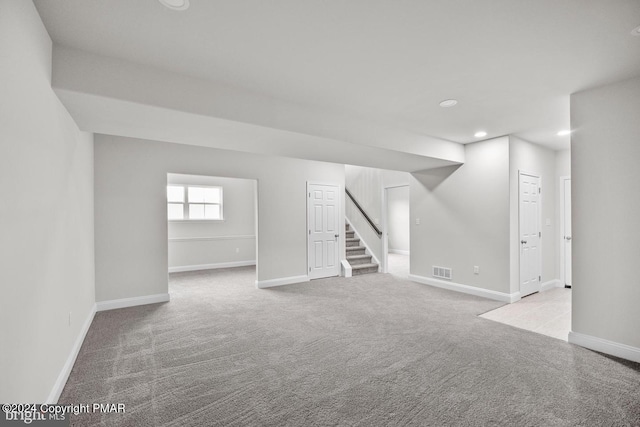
(359, 269)
(360, 251)
(359, 259)
(363, 266)
(354, 241)
(349, 257)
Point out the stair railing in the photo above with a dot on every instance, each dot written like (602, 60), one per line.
(371, 223)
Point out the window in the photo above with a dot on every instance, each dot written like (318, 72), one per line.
(194, 202)
(175, 199)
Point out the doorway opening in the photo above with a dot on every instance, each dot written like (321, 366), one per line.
(529, 188)
(396, 230)
(211, 223)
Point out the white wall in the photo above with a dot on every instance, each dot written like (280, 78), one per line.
(131, 243)
(527, 157)
(605, 149)
(46, 215)
(563, 163)
(206, 244)
(394, 178)
(366, 186)
(464, 218)
(398, 219)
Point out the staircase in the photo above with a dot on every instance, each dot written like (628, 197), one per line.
(360, 262)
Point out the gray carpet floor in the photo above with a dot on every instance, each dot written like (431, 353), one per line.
(373, 350)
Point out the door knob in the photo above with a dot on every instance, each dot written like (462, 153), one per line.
(523, 242)
(567, 237)
(337, 235)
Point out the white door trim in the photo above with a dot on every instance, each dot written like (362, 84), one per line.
(539, 219)
(562, 233)
(384, 265)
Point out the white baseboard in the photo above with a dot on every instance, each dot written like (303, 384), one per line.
(198, 267)
(347, 271)
(466, 289)
(131, 302)
(261, 284)
(210, 238)
(514, 297)
(61, 381)
(398, 251)
(605, 346)
(555, 283)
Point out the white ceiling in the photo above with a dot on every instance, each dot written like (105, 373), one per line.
(512, 64)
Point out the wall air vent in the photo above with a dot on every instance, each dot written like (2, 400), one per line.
(442, 272)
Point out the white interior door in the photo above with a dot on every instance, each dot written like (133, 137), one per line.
(530, 269)
(566, 230)
(323, 210)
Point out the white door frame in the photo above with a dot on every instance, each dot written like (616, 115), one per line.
(535, 175)
(256, 187)
(562, 228)
(340, 229)
(256, 218)
(384, 262)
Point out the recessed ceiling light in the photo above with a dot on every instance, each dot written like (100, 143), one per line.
(175, 4)
(564, 132)
(635, 31)
(448, 103)
(480, 134)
